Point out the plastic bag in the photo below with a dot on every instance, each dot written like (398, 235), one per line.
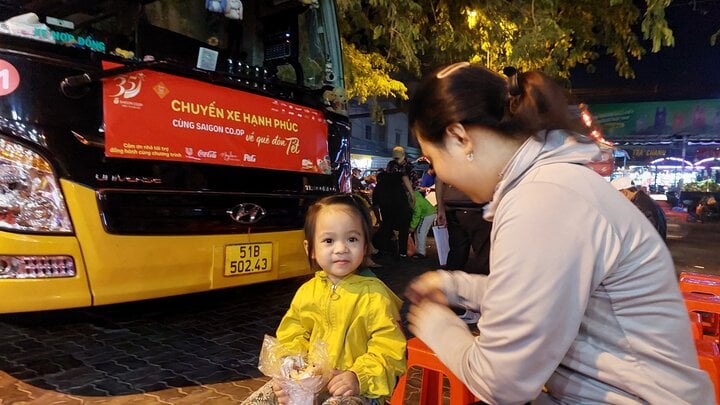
(300, 375)
(442, 243)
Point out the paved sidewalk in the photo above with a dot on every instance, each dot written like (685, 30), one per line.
(199, 349)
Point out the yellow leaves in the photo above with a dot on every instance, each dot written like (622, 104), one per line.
(655, 27)
(367, 75)
(472, 18)
(383, 37)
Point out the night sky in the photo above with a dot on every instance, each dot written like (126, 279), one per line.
(689, 70)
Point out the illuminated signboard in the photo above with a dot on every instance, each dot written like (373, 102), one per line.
(158, 116)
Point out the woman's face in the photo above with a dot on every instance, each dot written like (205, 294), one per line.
(477, 177)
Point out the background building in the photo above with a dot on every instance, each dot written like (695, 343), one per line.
(371, 142)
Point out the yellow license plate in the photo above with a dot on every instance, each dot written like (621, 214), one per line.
(248, 258)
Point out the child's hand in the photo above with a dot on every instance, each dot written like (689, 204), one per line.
(282, 397)
(343, 384)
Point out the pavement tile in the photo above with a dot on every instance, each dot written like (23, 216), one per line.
(220, 375)
(96, 355)
(203, 394)
(142, 399)
(183, 366)
(7, 347)
(67, 361)
(151, 386)
(113, 386)
(130, 362)
(43, 367)
(132, 376)
(246, 387)
(30, 356)
(75, 377)
(20, 372)
(111, 367)
(27, 344)
(90, 390)
(169, 395)
(50, 399)
(42, 382)
(14, 394)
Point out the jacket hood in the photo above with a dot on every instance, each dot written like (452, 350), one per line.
(545, 147)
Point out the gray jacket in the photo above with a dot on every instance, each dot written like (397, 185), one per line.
(582, 297)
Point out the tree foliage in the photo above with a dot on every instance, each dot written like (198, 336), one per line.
(389, 39)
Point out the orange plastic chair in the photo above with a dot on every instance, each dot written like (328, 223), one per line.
(709, 360)
(702, 302)
(431, 389)
(708, 306)
(696, 325)
(699, 283)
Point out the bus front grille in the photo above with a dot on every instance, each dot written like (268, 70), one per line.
(135, 212)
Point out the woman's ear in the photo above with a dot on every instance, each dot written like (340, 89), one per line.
(457, 136)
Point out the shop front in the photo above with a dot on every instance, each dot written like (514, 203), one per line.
(666, 144)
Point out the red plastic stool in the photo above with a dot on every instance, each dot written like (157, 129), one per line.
(699, 283)
(709, 306)
(709, 361)
(431, 389)
(696, 325)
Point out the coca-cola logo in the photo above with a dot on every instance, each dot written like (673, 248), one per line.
(211, 154)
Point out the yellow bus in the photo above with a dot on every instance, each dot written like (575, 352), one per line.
(157, 148)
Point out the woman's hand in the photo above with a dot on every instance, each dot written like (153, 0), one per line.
(427, 286)
(343, 384)
(441, 219)
(282, 397)
(425, 316)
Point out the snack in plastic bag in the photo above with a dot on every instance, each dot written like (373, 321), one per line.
(300, 375)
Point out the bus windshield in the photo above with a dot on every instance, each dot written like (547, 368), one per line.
(280, 40)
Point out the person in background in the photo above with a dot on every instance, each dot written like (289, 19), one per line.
(356, 183)
(391, 206)
(706, 209)
(345, 306)
(401, 165)
(370, 180)
(423, 218)
(652, 211)
(467, 229)
(582, 302)
(427, 181)
(398, 199)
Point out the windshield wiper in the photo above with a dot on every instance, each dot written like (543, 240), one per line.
(73, 86)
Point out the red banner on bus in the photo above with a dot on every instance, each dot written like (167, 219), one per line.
(154, 115)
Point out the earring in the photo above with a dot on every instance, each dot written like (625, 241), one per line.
(470, 157)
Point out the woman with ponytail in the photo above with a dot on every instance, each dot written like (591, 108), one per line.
(582, 303)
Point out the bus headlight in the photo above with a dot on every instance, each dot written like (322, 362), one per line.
(30, 198)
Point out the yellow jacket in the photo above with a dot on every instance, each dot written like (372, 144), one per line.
(358, 319)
